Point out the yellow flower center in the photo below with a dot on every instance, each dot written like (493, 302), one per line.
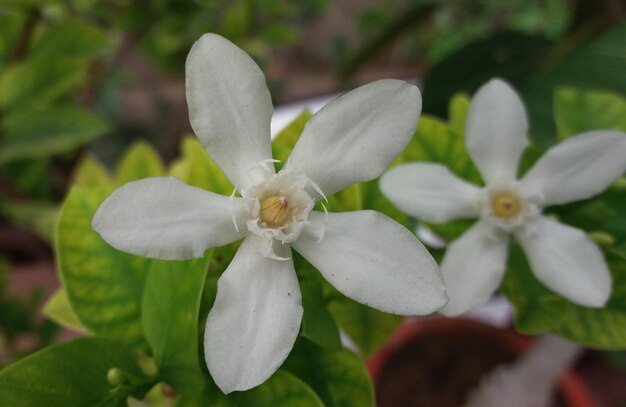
(274, 211)
(506, 205)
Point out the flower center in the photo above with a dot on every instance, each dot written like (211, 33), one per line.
(274, 211)
(506, 205)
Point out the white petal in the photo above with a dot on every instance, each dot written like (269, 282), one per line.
(355, 137)
(430, 192)
(255, 319)
(229, 106)
(496, 131)
(579, 167)
(565, 260)
(164, 218)
(472, 268)
(375, 261)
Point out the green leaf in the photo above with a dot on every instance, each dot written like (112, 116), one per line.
(69, 39)
(105, 286)
(507, 55)
(577, 111)
(171, 306)
(38, 217)
(10, 31)
(68, 374)
(317, 323)
(59, 309)
(33, 83)
(436, 141)
(25, 4)
(599, 64)
(338, 377)
(45, 132)
(281, 390)
(367, 327)
(196, 168)
(90, 173)
(285, 140)
(539, 310)
(457, 112)
(140, 161)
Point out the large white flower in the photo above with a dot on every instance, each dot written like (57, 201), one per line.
(561, 257)
(365, 255)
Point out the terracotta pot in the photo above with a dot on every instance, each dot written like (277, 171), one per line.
(572, 390)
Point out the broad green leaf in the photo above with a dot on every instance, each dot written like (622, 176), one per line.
(105, 286)
(10, 31)
(317, 323)
(38, 217)
(577, 111)
(339, 377)
(141, 160)
(40, 133)
(457, 112)
(68, 374)
(606, 213)
(59, 309)
(69, 39)
(25, 4)
(599, 64)
(26, 176)
(90, 173)
(508, 55)
(436, 141)
(170, 314)
(285, 140)
(33, 83)
(367, 327)
(281, 390)
(196, 168)
(539, 310)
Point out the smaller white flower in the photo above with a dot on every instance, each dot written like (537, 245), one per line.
(257, 312)
(561, 257)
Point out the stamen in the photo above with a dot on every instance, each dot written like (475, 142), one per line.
(231, 199)
(318, 190)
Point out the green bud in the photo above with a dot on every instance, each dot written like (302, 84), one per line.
(602, 238)
(116, 377)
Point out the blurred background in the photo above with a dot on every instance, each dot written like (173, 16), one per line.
(85, 78)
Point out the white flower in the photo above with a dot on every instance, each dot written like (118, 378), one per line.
(365, 255)
(560, 256)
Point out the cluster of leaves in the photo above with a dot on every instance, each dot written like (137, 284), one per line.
(535, 66)
(43, 62)
(46, 64)
(166, 29)
(431, 30)
(17, 322)
(58, 65)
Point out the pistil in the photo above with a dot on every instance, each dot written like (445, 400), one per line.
(274, 211)
(506, 205)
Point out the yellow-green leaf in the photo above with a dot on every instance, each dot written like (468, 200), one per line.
(59, 309)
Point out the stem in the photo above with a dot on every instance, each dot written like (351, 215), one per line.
(28, 29)
(531, 380)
